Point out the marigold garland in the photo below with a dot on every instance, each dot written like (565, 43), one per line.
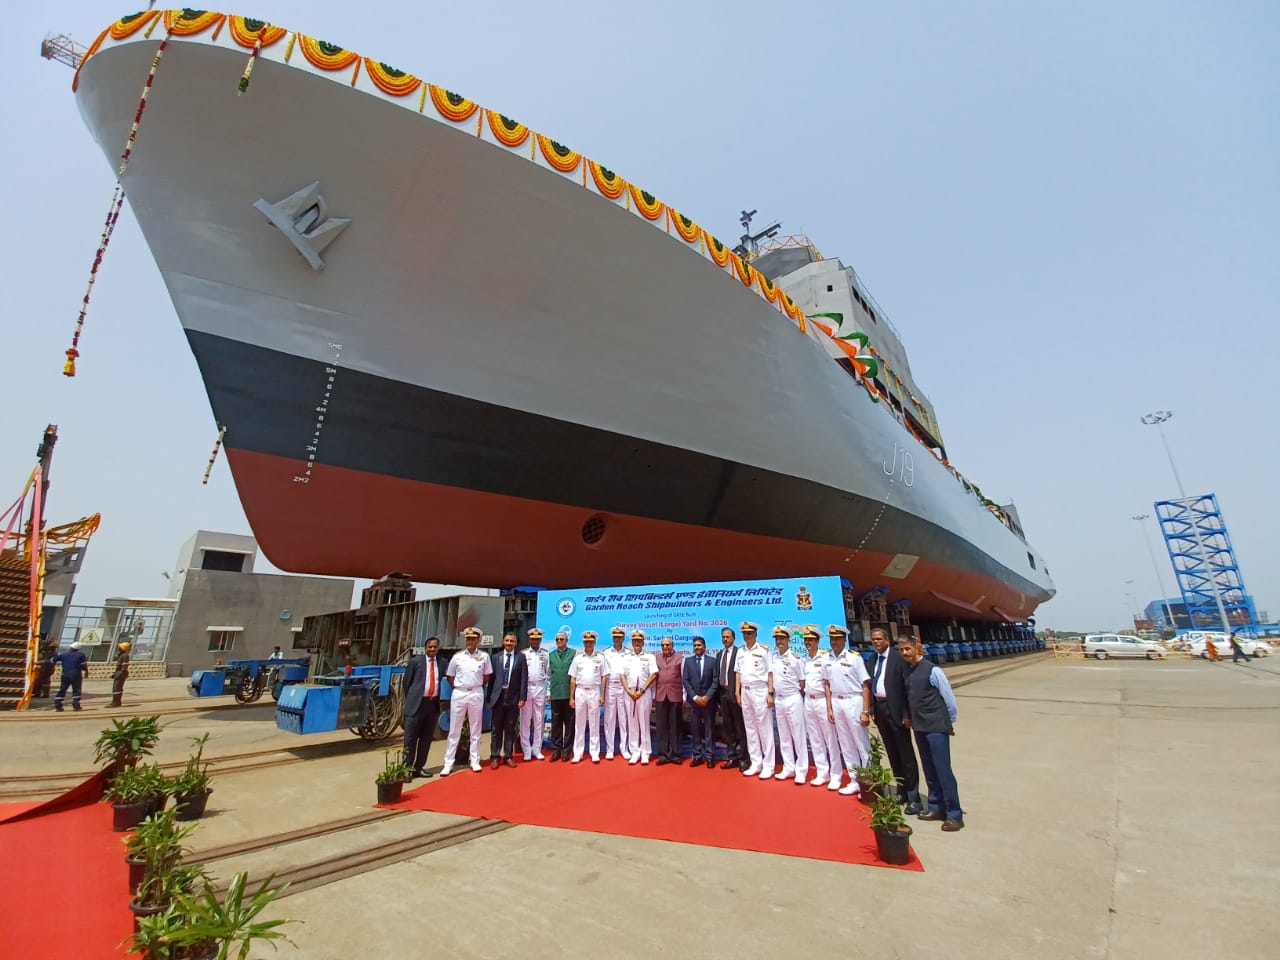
(558, 155)
(250, 33)
(393, 82)
(647, 205)
(767, 287)
(450, 105)
(716, 250)
(607, 182)
(788, 306)
(688, 230)
(508, 132)
(326, 56)
(128, 26)
(744, 271)
(93, 48)
(187, 23)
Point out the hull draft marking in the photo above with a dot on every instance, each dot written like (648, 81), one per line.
(303, 218)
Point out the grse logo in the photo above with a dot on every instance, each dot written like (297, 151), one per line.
(566, 607)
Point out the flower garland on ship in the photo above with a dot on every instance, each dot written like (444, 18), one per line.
(258, 36)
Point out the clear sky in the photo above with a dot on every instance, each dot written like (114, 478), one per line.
(1070, 212)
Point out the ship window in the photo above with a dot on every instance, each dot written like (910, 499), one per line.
(1031, 560)
(830, 288)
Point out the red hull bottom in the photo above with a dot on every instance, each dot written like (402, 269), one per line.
(350, 523)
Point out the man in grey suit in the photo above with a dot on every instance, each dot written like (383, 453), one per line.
(508, 690)
(422, 705)
(700, 675)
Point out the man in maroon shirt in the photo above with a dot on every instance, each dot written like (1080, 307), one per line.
(668, 699)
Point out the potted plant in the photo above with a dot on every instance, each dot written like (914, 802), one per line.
(893, 836)
(231, 924)
(158, 786)
(155, 847)
(391, 778)
(125, 742)
(191, 787)
(130, 796)
(161, 889)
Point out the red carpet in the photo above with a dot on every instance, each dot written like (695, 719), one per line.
(714, 809)
(88, 792)
(64, 891)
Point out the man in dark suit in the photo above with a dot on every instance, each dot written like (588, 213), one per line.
(889, 708)
(508, 690)
(422, 705)
(699, 675)
(735, 730)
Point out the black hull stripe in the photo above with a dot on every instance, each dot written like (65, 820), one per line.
(268, 400)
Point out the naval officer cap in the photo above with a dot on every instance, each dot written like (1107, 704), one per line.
(746, 626)
(781, 631)
(588, 634)
(617, 632)
(471, 632)
(535, 632)
(637, 635)
(836, 630)
(811, 632)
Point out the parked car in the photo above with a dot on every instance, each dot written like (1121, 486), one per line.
(1194, 644)
(1103, 645)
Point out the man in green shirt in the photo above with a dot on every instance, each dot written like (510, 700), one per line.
(558, 693)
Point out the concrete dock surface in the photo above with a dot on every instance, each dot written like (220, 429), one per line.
(1116, 809)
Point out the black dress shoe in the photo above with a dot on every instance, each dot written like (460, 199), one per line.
(678, 761)
(415, 774)
(663, 761)
(425, 774)
(951, 826)
(697, 762)
(932, 815)
(728, 765)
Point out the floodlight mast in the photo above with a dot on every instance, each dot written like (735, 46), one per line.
(62, 49)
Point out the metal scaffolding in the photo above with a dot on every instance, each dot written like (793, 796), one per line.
(63, 49)
(1204, 562)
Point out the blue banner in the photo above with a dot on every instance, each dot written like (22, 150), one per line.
(685, 610)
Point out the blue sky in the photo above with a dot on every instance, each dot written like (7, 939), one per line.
(1069, 211)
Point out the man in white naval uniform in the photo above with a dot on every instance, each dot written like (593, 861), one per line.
(533, 713)
(617, 705)
(788, 707)
(755, 696)
(640, 674)
(850, 686)
(467, 672)
(819, 721)
(586, 697)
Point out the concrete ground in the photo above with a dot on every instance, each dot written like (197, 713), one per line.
(1113, 809)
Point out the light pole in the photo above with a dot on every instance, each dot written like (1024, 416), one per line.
(1157, 420)
(1168, 611)
(1129, 596)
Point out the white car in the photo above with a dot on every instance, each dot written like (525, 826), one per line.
(1194, 644)
(1103, 645)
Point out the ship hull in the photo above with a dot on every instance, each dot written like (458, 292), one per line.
(494, 355)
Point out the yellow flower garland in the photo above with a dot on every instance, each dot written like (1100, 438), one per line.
(177, 22)
(566, 162)
(316, 55)
(128, 26)
(650, 208)
(248, 38)
(607, 182)
(716, 250)
(388, 82)
(688, 230)
(507, 136)
(463, 110)
(744, 270)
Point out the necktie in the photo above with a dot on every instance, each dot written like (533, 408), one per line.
(506, 670)
(431, 682)
(875, 681)
(724, 667)
(699, 668)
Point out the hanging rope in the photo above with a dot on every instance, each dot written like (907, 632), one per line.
(217, 445)
(248, 67)
(113, 212)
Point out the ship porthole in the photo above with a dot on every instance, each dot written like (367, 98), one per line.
(593, 530)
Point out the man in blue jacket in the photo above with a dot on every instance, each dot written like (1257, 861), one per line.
(931, 711)
(74, 666)
(508, 690)
(700, 674)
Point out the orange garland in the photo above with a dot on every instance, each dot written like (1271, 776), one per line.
(743, 270)
(392, 82)
(180, 25)
(326, 56)
(767, 287)
(688, 230)
(128, 26)
(75, 81)
(507, 131)
(647, 205)
(607, 182)
(558, 155)
(718, 252)
(446, 106)
(244, 33)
